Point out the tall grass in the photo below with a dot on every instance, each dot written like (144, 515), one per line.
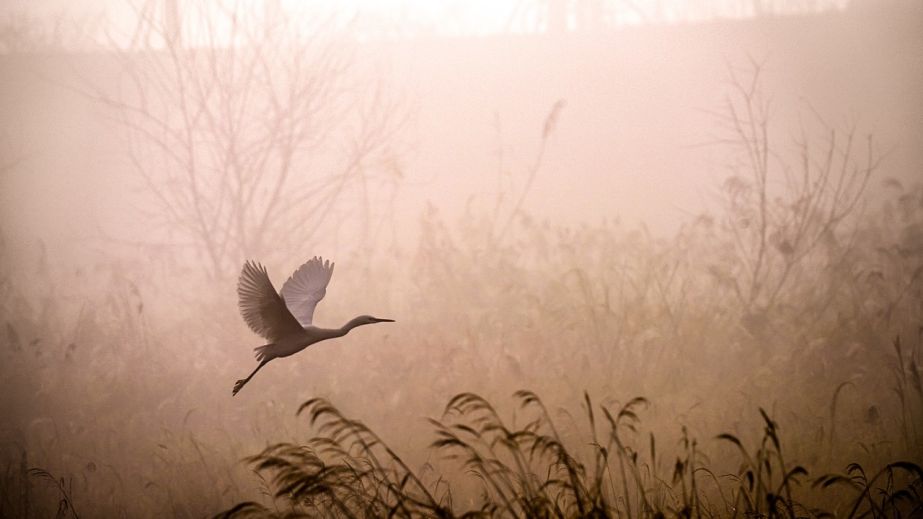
(346, 470)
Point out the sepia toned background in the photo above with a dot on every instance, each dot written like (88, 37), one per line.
(713, 205)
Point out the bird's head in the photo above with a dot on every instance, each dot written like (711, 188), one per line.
(368, 319)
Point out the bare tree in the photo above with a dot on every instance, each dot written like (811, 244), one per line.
(246, 126)
(788, 219)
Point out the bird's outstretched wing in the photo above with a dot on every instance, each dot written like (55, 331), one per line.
(260, 305)
(306, 288)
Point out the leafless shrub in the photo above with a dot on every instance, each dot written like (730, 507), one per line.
(786, 219)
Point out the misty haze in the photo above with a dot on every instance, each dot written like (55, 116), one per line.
(509, 258)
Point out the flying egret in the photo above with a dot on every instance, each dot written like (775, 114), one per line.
(285, 320)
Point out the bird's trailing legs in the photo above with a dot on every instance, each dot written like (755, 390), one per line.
(240, 383)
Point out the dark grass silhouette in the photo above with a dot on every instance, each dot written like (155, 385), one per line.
(529, 471)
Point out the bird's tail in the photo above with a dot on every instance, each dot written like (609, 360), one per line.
(261, 352)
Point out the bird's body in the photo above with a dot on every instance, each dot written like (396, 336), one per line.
(286, 319)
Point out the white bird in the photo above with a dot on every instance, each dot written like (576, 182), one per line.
(285, 320)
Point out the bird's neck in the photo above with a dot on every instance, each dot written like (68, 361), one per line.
(332, 333)
(350, 325)
(322, 334)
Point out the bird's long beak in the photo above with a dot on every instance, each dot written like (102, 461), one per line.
(377, 320)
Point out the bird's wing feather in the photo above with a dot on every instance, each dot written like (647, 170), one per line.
(306, 287)
(260, 305)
